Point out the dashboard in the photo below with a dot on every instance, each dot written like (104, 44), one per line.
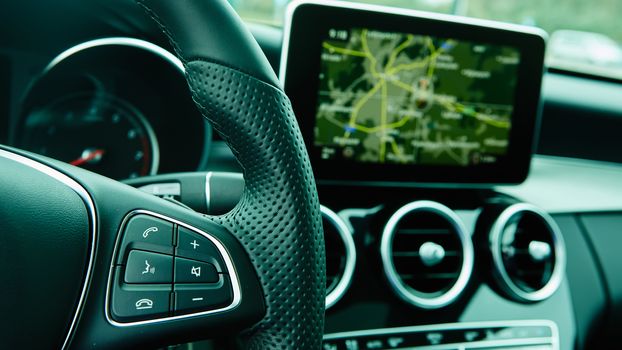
(112, 99)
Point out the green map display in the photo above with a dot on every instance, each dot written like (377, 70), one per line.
(400, 98)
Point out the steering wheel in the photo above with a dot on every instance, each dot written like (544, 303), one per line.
(87, 262)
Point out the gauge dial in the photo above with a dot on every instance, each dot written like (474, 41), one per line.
(94, 131)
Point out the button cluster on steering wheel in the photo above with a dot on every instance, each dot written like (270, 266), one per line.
(165, 269)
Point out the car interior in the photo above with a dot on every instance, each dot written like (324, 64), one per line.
(174, 175)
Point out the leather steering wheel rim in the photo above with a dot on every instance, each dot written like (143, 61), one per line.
(278, 219)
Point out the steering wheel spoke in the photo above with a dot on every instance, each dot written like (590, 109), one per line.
(154, 268)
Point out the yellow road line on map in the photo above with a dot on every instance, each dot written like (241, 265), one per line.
(343, 50)
(383, 120)
(397, 51)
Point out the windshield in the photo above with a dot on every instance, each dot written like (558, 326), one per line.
(585, 36)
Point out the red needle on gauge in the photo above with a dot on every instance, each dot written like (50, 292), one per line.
(88, 155)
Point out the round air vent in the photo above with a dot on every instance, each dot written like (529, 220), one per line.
(528, 253)
(427, 254)
(340, 256)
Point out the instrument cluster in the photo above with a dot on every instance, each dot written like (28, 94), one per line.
(117, 106)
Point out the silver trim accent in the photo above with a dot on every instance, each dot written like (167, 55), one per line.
(386, 252)
(208, 191)
(431, 254)
(553, 340)
(208, 185)
(292, 6)
(235, 283)
(162, 189)
(560, 253)
(118, 41)
(90, 206)
(346, 236)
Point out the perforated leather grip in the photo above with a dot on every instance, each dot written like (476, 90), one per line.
(278, 219)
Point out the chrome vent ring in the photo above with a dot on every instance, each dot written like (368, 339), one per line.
(340, 256)
(528, 253)
(427, 254)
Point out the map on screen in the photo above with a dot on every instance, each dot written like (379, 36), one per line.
(401, 98)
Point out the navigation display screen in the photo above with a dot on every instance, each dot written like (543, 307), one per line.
(404, 98)
(389, 97)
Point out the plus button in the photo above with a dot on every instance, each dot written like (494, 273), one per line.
(194, 244)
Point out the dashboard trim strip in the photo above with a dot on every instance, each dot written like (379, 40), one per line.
(553, 340)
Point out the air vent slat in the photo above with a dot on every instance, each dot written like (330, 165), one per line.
(529, 273)
(425, 276)
(420, 231)
(427, 254)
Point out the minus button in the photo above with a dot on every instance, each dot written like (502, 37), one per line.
(199, 297)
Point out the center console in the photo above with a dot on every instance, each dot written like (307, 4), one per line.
(411, 120)
(524, 335)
